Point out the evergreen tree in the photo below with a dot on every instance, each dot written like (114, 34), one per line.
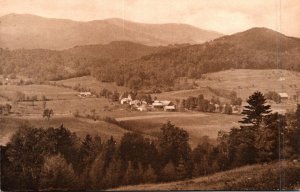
(113, 174)
(256, 109)
(96, 173)
(129, 176)
(173, 143)
(57, 174)
(149, 175)
(168, 173)
(293, 121)
(181, 170)
(269, 141)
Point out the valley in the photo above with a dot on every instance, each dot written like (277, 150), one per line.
(122, 105)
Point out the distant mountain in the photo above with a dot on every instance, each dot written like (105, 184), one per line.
(31, 32)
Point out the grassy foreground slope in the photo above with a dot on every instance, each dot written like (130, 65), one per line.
(274, 176)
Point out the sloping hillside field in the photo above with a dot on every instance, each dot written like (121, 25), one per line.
(254, 177)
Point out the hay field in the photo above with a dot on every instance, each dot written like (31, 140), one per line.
(195, 123)
(247, 81)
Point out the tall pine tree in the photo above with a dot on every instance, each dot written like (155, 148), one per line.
(255, 110)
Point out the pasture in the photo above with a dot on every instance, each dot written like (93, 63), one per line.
(247, 81)
(195, 123)
(9, 125)
(51, 92)
(183, 94)
(90, 83)
(244, 82)
(66, 103)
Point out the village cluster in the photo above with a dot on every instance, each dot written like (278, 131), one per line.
(142, 105)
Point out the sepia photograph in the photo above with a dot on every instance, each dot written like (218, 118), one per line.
(150, 95)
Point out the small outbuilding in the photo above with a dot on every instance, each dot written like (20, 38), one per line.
(283, 96)
(85, 94)
(170, 108)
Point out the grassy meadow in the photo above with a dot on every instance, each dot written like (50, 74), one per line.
(81, 126)
(65, 103)
(196, 124)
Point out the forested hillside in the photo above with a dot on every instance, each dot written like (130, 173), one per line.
(44, 64)
(138, 66)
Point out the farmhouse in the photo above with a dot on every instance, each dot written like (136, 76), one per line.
(85, 94)
(283, 96)
(170, 108)
(157, 105)
(125, 100)
(165, 105)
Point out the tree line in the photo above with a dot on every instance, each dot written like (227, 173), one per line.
(55, 158)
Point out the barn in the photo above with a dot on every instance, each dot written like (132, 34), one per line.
(283, 97)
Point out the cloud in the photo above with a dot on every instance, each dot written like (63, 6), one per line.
(226, 16)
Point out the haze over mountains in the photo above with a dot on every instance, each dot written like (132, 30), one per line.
(30, 32)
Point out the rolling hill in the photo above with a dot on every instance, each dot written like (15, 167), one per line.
(140, 66)
(31, 32)
(256, 48)
(76, 61)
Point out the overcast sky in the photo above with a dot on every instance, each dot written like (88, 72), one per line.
(225, 16)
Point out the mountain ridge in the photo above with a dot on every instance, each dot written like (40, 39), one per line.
(31, 31)
(142, 66)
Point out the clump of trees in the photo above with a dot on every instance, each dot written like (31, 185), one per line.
(5, 109)
(198, 104)
(56, 159)
(272, 95)
(48, 113)
(201, 104)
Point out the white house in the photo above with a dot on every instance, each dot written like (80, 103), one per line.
(125, 100)
(85, 94)
(165, 105)
(283, 96)
(157, 105)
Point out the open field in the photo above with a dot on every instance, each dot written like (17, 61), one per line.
(195, 123)
(91, 83)
(254, 177)
(247, 81)
(65, 103)
(183, 94)
(244, 82)
(51, 92)
(9, 125)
